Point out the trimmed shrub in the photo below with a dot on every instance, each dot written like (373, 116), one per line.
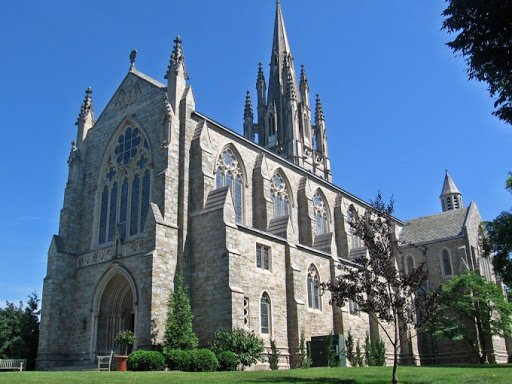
(178, 359)
(203, 360)
(246, 345)
(228, 361)
(141, 360)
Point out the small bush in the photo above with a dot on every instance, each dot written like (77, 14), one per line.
(246, 345)
(178, 359)
(203, 360)
(228, 361)
(145, 361)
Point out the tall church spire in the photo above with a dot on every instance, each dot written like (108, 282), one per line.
(284, 115)
(450, 197)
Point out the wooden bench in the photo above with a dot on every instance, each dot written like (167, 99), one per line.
(13, 364)
(105, 362)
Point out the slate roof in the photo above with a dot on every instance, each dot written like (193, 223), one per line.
(434, 228)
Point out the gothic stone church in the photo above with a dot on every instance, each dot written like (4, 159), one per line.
(253, 222)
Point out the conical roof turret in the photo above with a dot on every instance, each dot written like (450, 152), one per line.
(450, 197)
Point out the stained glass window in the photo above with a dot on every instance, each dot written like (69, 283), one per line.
(279, 195)
(229, 174)
(313, 285)
(320, 211)
(265, 313)
(127, 169)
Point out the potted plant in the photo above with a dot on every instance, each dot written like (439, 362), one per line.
(126, 339)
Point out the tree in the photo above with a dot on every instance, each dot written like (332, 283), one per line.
(273, 357)
(498, 241)
(471, 309)
(376, 284)
(484, 38)
(305, 355)
(178, 327)
(246, 345)
(19, 331)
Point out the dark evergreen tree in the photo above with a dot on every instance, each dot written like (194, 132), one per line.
(178, 328)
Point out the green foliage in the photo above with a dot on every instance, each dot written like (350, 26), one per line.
(19, 331)
(203, 360)
(468, 302)
(498, 241)
(305, 354)
(332, 356)
(484, 39)
(125, 338)
(228, 361)
(358, 356)
(177, 359)
(273, 357)
(349, 348)
(246, 345)
(141, 360)
(178, 327)
(374, 352)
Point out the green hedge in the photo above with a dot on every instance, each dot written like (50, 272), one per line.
(228, 361)
(141, 360)
(195, 360)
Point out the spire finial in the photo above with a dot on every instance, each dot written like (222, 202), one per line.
(177, 58)
(446, 172)
(303, 77)
(248, 106)
(133, 56)
(86, 106)
(319, 111)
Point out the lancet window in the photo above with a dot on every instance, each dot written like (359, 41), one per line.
(280, 196)
(265, 313)
(313, 281)
(229, 174)
(125, 187)
(446, 264)
(320, 212)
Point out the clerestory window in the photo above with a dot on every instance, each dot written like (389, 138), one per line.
(320, 212)
(229, 174)
(125, 187)
(280, 196)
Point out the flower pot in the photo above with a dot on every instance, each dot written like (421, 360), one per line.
(120, 363)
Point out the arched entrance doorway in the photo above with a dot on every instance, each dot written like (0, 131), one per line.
(115, 312)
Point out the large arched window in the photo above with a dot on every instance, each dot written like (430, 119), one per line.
(408, 264)
(320, 211)
(446, 264)
(280, 196)
(265, 314)
(125, 187)
(314, 300)
(229, 174)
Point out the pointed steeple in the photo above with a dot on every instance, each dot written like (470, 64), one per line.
(304, 86)
(319, 110)
(281, 52)
(450, 197)
(85, 119)
(177, 60)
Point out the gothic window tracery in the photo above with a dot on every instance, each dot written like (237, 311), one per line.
(124, 201)
(229, 174)
(320, 212)
(313, 285)
(280, 196)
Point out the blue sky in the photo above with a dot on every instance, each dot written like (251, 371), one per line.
(398, 106)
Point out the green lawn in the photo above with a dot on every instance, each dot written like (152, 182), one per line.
(424, 375)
